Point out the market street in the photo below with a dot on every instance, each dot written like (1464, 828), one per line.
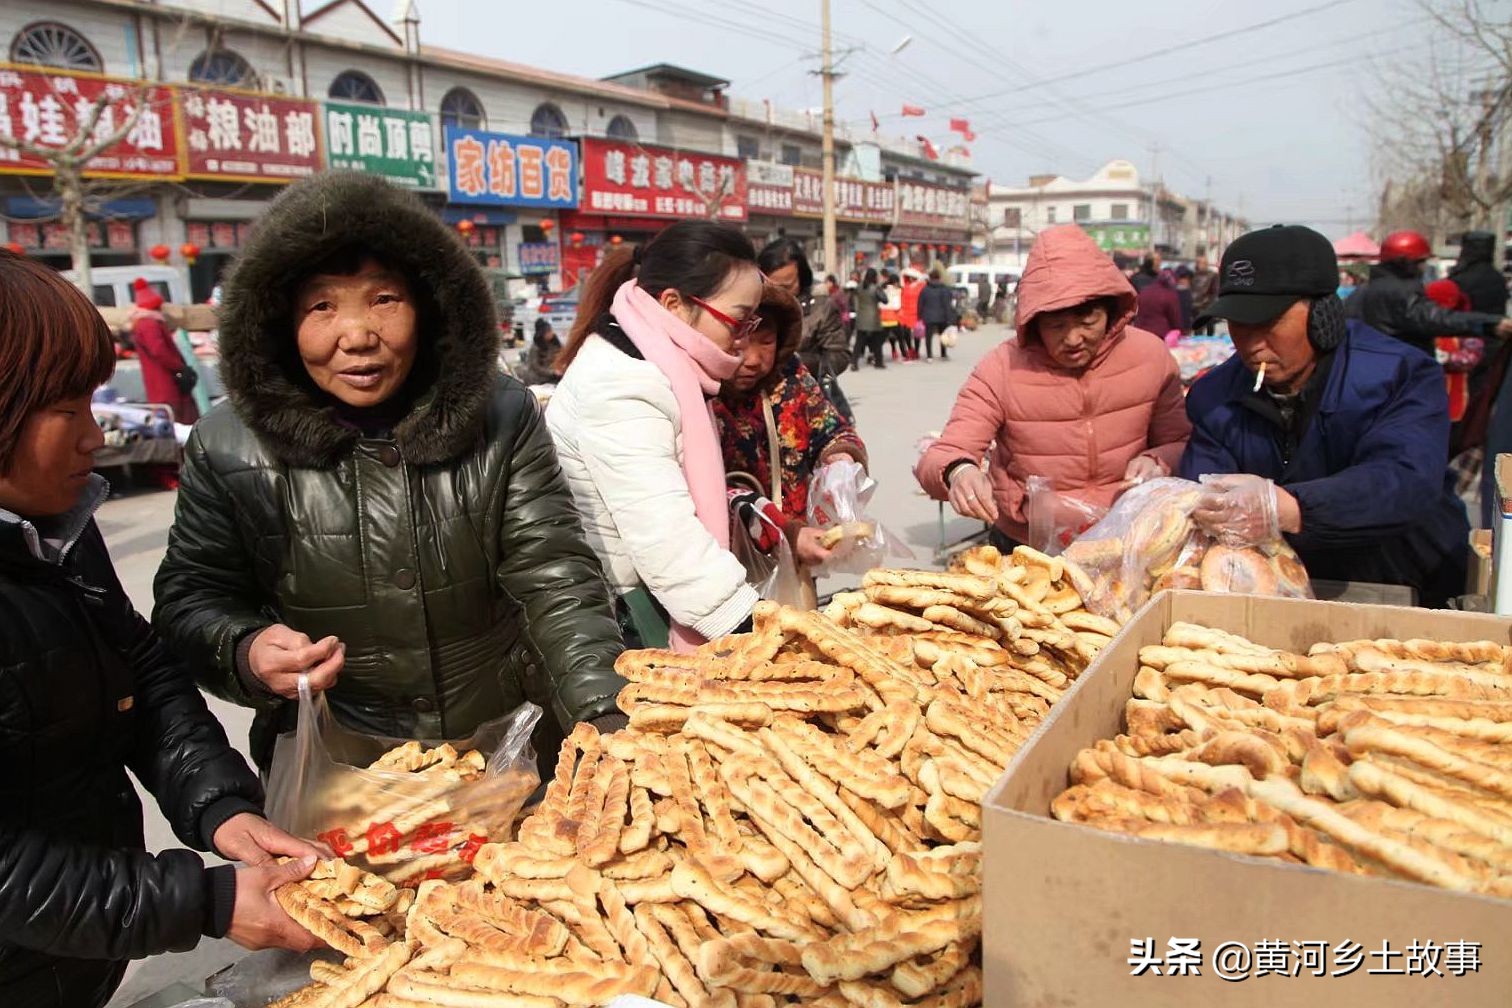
(894, 408)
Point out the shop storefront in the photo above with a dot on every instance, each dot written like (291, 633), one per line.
(932, 225)
(631, 191)
(789, 201)
(113, 229)
(505, 192)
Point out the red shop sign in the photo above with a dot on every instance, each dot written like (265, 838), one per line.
(632, 180)
(51, 109)
(248, 137)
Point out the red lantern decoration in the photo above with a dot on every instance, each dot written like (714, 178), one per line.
(860, 257)
(15, 248)
(577, 238)
(160, 253)
(466, 227)
(615, 240)
(547, 226)
(190, 252)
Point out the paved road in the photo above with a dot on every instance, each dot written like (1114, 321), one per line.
(894, 408)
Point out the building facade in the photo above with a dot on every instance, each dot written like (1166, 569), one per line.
(1122, 212)
(540, 171)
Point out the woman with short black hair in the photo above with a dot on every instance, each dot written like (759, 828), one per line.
(87, 692)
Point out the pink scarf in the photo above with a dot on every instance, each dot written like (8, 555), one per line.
(696, 367)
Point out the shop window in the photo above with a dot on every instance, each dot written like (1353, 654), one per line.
(621, 128)
(460, 107)
(548, 121)
(1081, 212)
(47, 43)
(747, 148)
(1120, 211)
(223, 67)
(354, 85)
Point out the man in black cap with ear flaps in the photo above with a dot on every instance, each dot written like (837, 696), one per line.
(1332, 435)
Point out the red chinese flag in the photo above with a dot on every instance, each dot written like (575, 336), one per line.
(913, 110)
(929, 148)
(960, 126)
(875, 125)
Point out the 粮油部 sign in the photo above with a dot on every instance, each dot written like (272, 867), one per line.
(48, 110)
(249, 137)
(500, 169)
(635, 180)
(398, 144)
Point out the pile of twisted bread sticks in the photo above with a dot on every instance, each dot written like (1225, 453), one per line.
(792, 816)
(1373, 757)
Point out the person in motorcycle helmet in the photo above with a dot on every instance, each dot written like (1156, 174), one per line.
(1393, 302)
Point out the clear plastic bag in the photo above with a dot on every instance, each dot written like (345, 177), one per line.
(774, 575)
(406, 826)
(1148, 543)
(1056, 519)
(837, 499)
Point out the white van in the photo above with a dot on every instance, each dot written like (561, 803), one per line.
(964, 277)
(112, 284)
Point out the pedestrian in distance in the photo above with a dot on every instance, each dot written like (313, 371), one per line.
(824, 348)
(1080, 396)
(1394, 302)
(376, 506)
(773, 401)
(868, 306)
(908, 313)
(90, 692)
(1204, 293)
(1159, 309)
(1183, 277)
(660, 328)
(937, 311)
(166, 377)
(1477, 275)
(889, 314)
(540, 360)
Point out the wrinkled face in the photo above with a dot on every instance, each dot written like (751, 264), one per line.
(1073, 335)
(1281, 345)
(357, 334)
(53, 458)
(786, 277)
(758, 360)
(736, 299)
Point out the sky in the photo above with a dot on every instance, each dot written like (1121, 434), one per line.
(1269, 118)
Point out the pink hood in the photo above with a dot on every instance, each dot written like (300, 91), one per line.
(1067, 268)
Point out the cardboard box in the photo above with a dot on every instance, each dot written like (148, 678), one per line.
(1063, 902)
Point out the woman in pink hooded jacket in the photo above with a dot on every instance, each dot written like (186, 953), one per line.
(1079, 397)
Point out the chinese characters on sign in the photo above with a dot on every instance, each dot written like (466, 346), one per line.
(249, 136)
(539, 257)
(52, 110)
(398, 144)
(926, 205)
(639, 181)
(783, 190)
(500, 169)
(1236, 961)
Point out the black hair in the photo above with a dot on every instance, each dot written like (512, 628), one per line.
(782, 251)
(542, 327)
(694, 257)
(869, 278)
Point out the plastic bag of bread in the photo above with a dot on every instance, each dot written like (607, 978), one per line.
(1056, 519)
(838, 495)
(401, 808)
(1148, 542)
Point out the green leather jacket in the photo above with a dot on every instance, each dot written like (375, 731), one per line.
(447, 555)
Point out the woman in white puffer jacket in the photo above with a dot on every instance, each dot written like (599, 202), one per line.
(659, 328)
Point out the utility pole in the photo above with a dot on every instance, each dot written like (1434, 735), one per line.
(827, 74)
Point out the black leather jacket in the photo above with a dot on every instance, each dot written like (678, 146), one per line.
(1396, 305)
(87, 691)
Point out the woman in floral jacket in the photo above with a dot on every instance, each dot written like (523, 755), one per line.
(810, 433)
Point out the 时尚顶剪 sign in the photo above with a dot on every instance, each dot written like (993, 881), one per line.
(501, 169)
(398, 144)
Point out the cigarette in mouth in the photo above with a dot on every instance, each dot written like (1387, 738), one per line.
(1259, 378)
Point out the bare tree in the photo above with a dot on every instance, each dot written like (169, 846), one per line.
(1443, 125)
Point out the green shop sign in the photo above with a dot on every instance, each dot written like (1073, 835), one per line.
(398, 144)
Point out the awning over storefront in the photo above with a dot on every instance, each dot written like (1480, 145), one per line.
(30, 208)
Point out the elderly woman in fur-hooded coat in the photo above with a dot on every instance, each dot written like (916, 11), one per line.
(377, 505)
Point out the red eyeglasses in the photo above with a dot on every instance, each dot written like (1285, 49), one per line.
(738, 329)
